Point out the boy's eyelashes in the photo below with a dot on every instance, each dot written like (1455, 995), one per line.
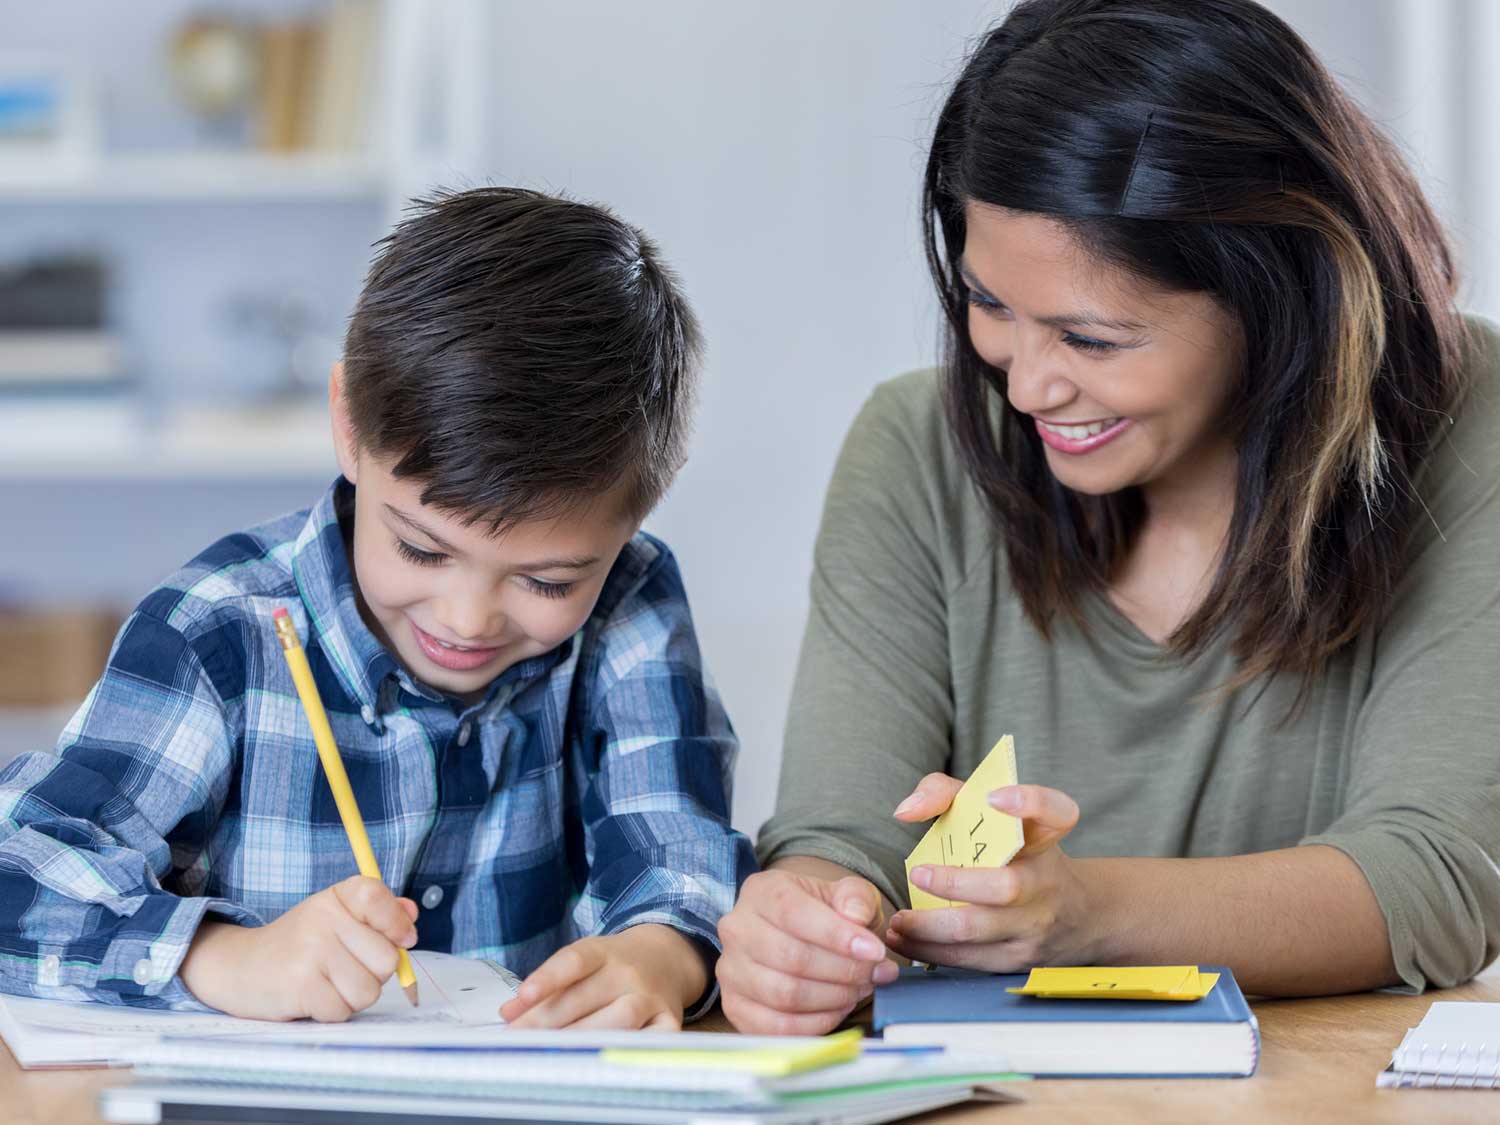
(548, 589)
(433, 558)
(417, 555)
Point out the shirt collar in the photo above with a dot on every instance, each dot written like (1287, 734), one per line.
(320, 564)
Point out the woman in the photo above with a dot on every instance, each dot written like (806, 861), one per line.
(1203, 507)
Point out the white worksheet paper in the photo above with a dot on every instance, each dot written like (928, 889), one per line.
(458, 994)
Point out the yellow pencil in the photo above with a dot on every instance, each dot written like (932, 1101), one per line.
(333, 766)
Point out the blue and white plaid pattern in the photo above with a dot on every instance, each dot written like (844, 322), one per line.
(587, 792)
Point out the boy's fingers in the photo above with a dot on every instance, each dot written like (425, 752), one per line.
(567, 1005)
(370, 901)
(627, 1013)
(369, 947)
(411, 908)
(356, 984)
(562, 970)
(932, 796)
(324, 1003)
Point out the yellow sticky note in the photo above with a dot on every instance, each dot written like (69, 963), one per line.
(971, 833)
(766, 1062)
(1136, 982)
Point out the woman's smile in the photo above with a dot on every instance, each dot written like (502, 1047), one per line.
(1080, 437)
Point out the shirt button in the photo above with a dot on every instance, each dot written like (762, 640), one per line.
(142, 972)
(367, 713)
(432, 896)
(51, 963)
(463, 734)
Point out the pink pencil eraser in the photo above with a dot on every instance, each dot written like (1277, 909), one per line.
(279, 611)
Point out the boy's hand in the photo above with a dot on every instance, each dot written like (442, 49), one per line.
(641, 977)
(324, 959)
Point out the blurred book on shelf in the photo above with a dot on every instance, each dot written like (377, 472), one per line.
(317, 79)
(53, 332)
(51, 657)
(46, 111)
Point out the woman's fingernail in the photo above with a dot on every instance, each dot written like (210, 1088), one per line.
(885, 972)
(410, 939)
(1006, 800)
(867, 948)
(922, 876)
(909, 804)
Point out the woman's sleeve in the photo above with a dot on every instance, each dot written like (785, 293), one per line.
(871, 710)
(1421, 798)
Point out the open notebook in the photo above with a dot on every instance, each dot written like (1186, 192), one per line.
(1456, 1044)
(458, 993)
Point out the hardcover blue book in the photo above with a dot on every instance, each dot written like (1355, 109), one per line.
(1213, 1037)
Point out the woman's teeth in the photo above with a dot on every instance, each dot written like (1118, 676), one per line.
(1078, 433)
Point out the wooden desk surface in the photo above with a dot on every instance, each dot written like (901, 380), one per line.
(1318, 1063)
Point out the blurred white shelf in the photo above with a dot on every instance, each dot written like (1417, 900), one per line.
(81, 440)
(226, 175)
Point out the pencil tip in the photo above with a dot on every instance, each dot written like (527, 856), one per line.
(411, 993)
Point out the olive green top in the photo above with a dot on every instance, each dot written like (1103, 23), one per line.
(918, 657)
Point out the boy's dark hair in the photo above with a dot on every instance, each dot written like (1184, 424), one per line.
(521, 355)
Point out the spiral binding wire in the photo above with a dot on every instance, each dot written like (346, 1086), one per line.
(1447, 1065)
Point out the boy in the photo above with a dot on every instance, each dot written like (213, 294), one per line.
(508, 663)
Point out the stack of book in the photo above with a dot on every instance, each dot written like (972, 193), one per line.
(452, 1058)
(53, 332)
(317, 79)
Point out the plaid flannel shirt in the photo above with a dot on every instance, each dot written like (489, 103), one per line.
(587, 792)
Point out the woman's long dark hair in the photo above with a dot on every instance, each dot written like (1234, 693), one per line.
(1202, 147)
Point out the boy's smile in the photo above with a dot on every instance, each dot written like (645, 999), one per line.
(456, 658)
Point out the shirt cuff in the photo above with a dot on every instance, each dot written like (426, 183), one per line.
(141, 962)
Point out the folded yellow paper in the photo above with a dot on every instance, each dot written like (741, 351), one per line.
(1141, 982)
(971, 833)
(766, 1062)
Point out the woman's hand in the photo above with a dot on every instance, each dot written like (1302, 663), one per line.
(799, 953)
(1033, 911)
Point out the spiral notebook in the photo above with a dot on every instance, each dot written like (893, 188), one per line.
(1457, 1044)
(641, 1078)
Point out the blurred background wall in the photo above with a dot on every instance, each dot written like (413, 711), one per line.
(179, 247)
